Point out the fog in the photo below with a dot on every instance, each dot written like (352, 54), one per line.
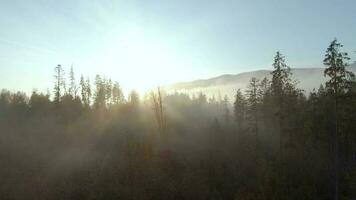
(271, 141)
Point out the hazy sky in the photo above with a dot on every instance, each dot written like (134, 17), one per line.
(145, 43)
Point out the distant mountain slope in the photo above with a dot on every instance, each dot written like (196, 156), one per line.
(309, 78)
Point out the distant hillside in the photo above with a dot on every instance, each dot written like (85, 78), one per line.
(309, 78)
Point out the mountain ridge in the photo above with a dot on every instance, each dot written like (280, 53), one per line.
(308, 79)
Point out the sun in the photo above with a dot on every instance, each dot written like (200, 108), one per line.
(139, 62)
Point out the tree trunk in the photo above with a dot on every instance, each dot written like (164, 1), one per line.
(336, 150)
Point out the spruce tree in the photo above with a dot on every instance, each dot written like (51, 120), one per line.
(59, 84)
(240, 108)
(88, 91)
(72, 85)
(340, 82)
(280, 81)
(117, 94)
(253, 100)
(85, 91)
(280, 76)
(100, 92)
(108, 92)
(226, 109)
(336, 62)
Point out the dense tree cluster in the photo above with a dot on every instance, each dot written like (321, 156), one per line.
(273, 142)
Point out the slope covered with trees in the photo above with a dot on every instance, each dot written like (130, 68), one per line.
(273, 142)
(308, 78)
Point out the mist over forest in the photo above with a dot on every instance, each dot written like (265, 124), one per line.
(85, 140)
(308, 79)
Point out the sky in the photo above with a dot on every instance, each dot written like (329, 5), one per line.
(146, 43)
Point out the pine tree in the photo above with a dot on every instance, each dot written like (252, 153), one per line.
(280, 82)
(340, 81)
(108, 92)
(264, 93)
(100, 92)
(280, 76)
(59, 84)
(336, 62)
(85, 91)
(73, 89)
(88, 91)
(82, 87)
(117, 94)
(253, 100)
(226, 110)
(264, 87)
(240, 108)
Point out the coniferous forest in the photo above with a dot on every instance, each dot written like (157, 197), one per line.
(86, 140)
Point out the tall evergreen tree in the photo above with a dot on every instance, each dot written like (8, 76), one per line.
(88, 91)
(264, 93)
(73, 89)
(336, 62)
(264, 87)
(240, 108)
(226, 109)
(100, 92)
(340, 81)
(280, 76)
(108, 92)
(253, 100)
(82, 87)
(85, 91)
(117, 94)
(59, 84)
(280, 82)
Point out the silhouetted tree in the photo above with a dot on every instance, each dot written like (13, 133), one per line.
(108, 92)
(110, 152)
(201, 99)
(240, 108)
(85, 91)
(340, 81)
(226, 109)
(117, 94)
(73, 89)
(280, 81)
(59, 84)
(158, 109)
(254, 100)
(100, 92)
(336, 62)
(39, 103)
(88, 91)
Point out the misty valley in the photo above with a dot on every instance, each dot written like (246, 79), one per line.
(271, 139)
